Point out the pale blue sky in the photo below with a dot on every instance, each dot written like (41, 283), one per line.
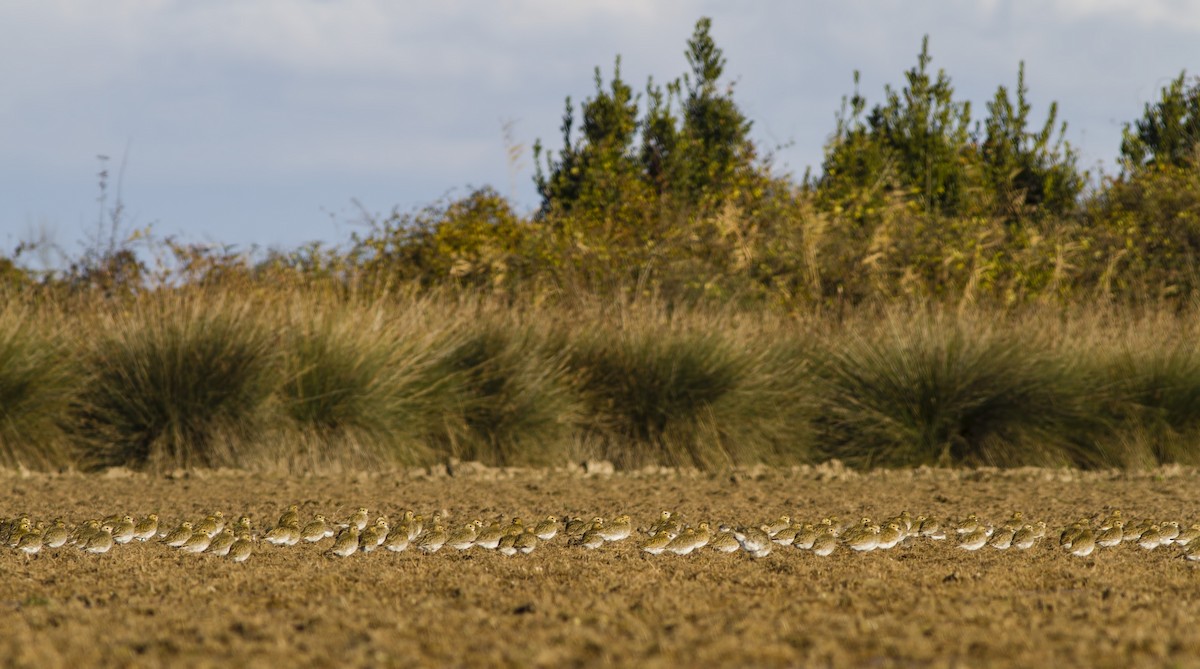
(258, 121)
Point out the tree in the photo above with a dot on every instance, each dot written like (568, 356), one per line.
(1028, 171)
(1169, 130)
(918, 141)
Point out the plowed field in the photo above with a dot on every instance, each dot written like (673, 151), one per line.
(925, 603)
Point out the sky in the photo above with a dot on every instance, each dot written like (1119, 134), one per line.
(273, 123)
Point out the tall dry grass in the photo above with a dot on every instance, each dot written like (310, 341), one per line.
(285, 376)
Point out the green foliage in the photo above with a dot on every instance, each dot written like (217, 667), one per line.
(174, 381)
(474, 242)
(1168, 132)
(1146, 228)
(918, 141)
(37, 384)
(1028, 172)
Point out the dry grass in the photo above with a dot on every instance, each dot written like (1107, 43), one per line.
(284, 377)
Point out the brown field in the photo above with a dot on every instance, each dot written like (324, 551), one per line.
(926, 604)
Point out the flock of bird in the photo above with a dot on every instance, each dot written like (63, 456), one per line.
(668, 534)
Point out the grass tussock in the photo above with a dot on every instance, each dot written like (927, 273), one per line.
(357, 383)
(935, 390)
(174, 381)
(513, 402)
(200, 377)
(1153, 371)
(683, 394)
(37, 384)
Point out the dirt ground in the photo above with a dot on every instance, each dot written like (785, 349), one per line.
(927, 604)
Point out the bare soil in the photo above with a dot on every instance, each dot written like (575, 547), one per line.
(927, 604)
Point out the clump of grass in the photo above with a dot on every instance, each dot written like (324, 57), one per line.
(1157, 400)
(357, 382)
(37, 383)
(935, 391)
(513, 400)
(677, 395)
(175, 380)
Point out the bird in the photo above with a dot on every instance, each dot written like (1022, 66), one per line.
(754, 540)
(179, 536)
(490, 536)
(575, 527)
(826, 542)
(284, 535)
(1025, 538)
(397, 540)
(314, 530)
(508, 544)
(969, 525)
(619, 529)
(209, 526)
(593, 538)
(242, 526)
(146, 528)
(1192, 552)
(806, 537)
(241, 549)
(656, 543)
(80, 534)
(684, 543)
(359, 519)
(197, 543)
(864, 539)
(1015, 522)
(974, 540)
(100, 541)
(787, 535)
(1167, 532)
(778, 525)
(725, 542)
(289, 516)
(1150, 539)
(30, 542)
(374, 536)
(1002, 538)
(1112, 535)
(1084, 543)
(930, 528)
(56, 535)
(1186, 537)
(526, 541)
(123, 532)
(547, 528)
(346, 542)
(222, 543)
(667, 521)
(1067, 537)
(433, 540)
(464, 537)
(890, 535)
